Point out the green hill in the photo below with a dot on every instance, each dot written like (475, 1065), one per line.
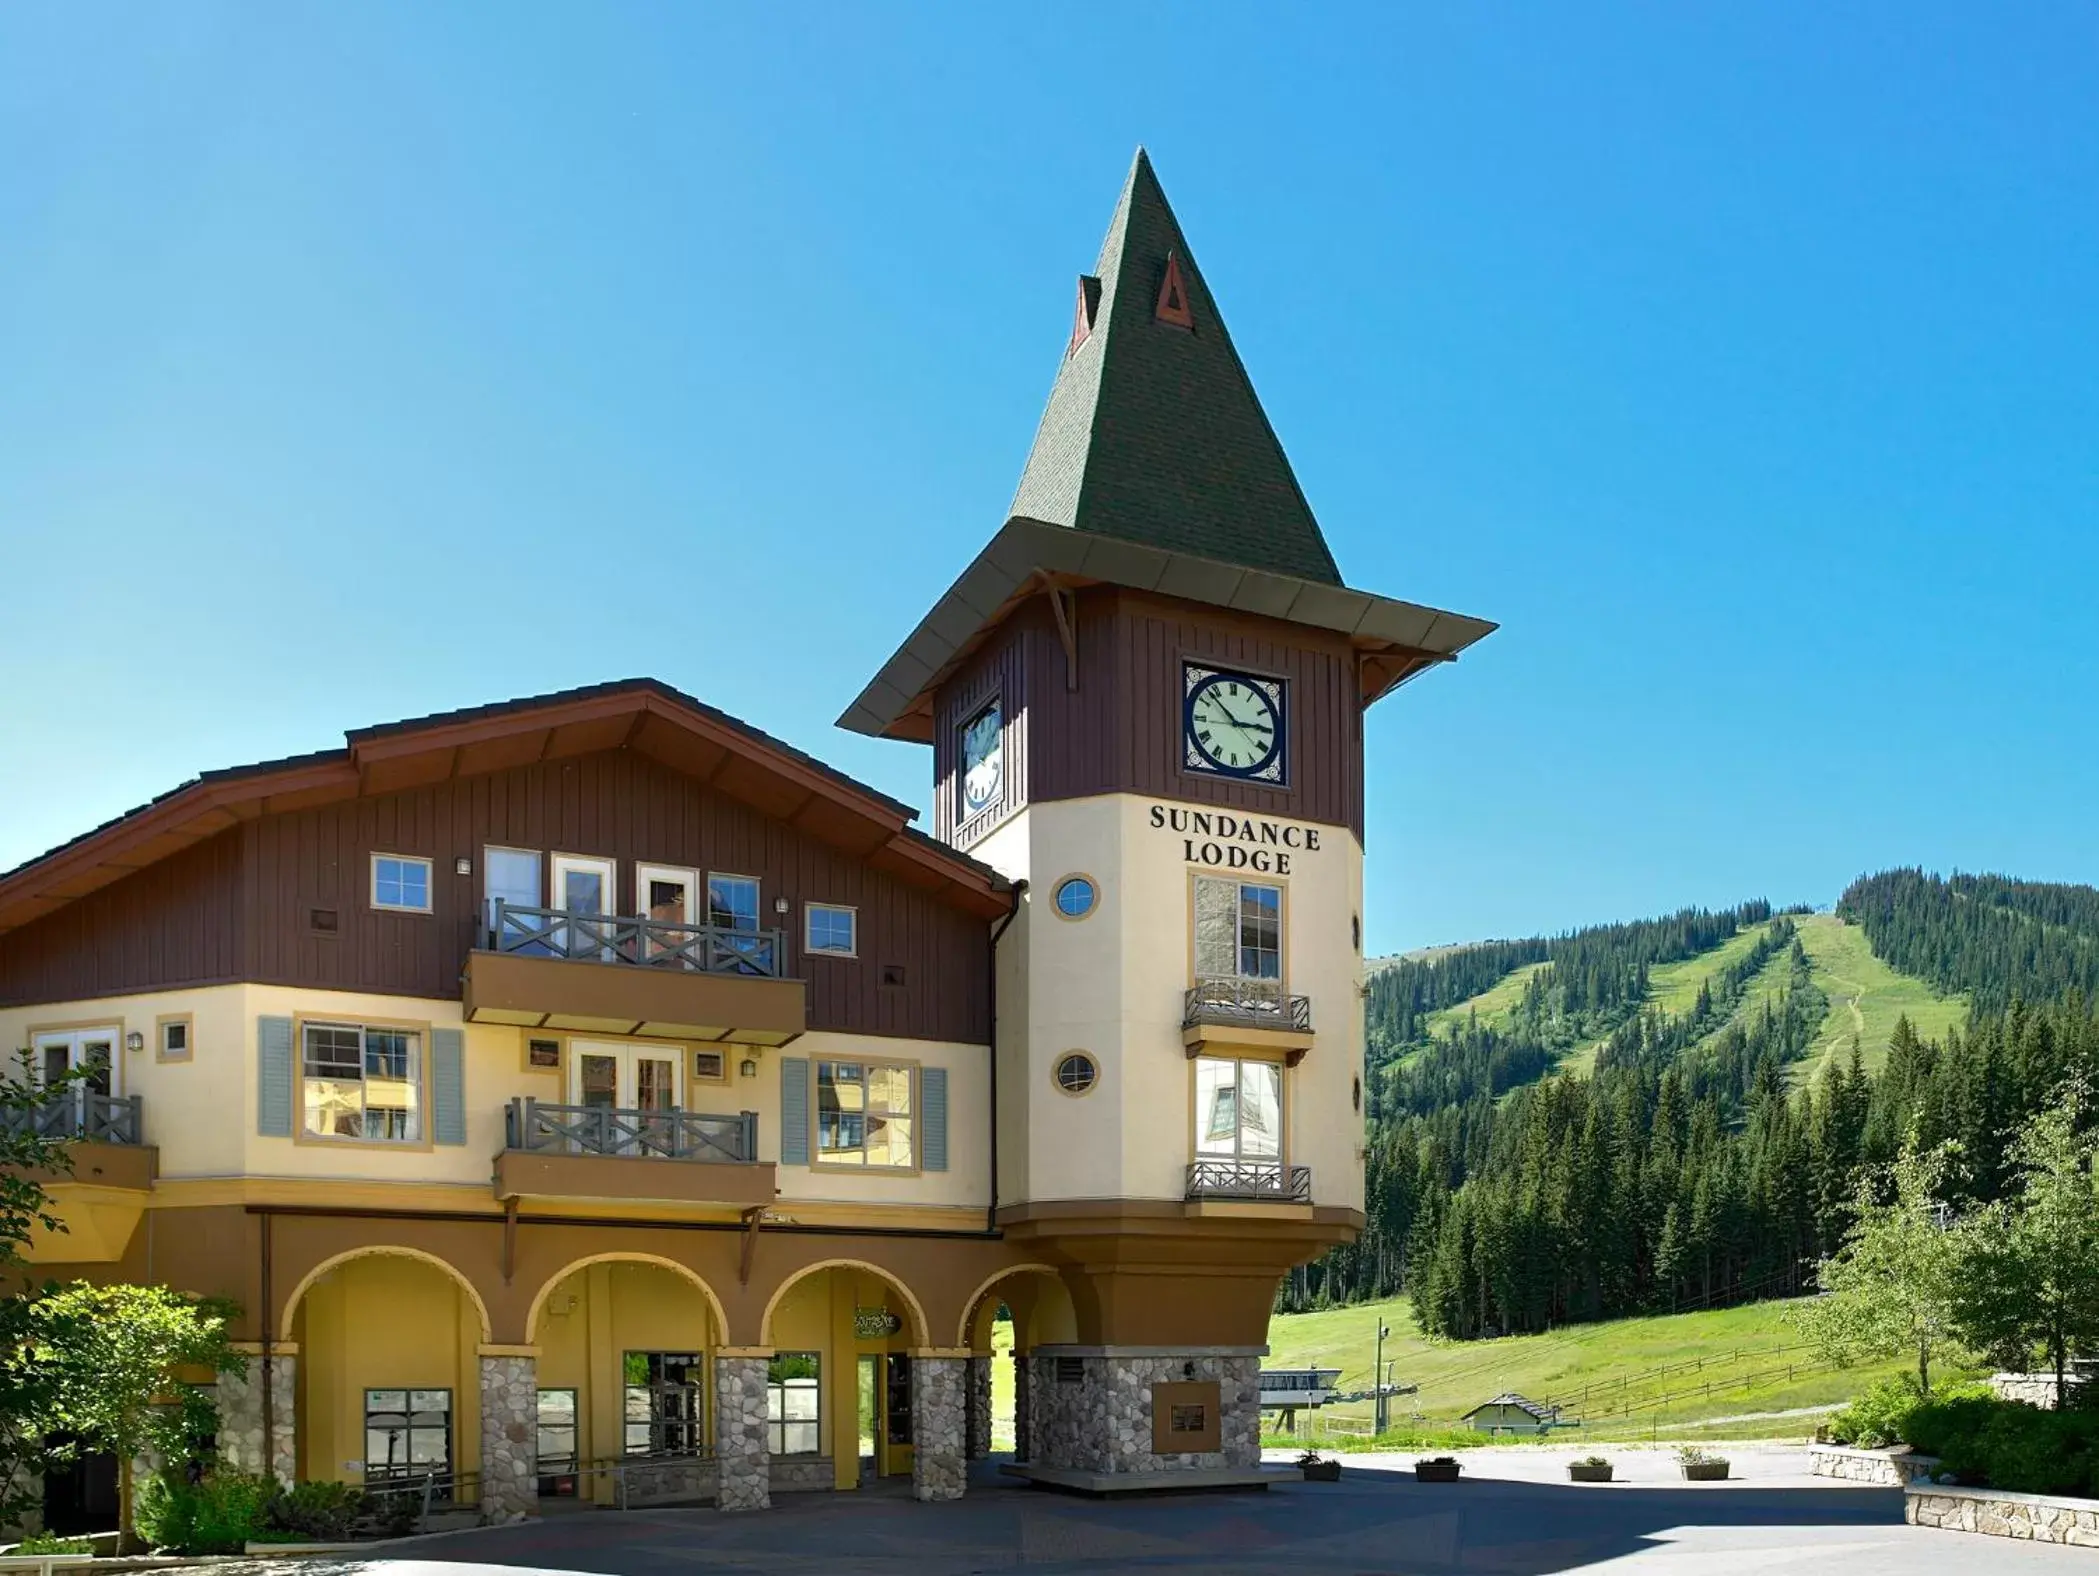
(1866, 996)
(1623, 1378)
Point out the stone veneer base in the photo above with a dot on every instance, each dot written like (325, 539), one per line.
(1174, 1480)
(2037, 1518)
(1890, 1468)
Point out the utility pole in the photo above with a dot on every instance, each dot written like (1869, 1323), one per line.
(1377, 1378)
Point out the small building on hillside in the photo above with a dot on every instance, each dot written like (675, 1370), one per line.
(1512, 1414)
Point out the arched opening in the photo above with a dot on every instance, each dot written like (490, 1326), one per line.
(1016, 1311)
(625, 1374)
(842, 1333)
(388, 1371)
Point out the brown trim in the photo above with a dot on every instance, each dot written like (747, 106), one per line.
(534, 993)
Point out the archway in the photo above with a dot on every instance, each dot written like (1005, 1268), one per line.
(1011, 1314)
(844, 1335)
(386, 1385)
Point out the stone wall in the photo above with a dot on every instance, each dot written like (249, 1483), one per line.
(1103, 1422)
(745, 1480)
(2039, 1518)
(509, 1438)
(239, 1398)
(668, 1480)
(1023, 1407)
(938, 1423)
(1892, 1467)
(803, 1474)
(979, 1435)
(2033, 1389)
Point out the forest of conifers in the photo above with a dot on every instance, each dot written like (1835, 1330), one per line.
(1684, 1170)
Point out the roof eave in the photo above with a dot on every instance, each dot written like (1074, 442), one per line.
(896, 702)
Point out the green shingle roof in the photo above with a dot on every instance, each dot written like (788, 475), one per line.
(1153, 433)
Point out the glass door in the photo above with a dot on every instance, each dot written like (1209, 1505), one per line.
(627, 1085)
(584, 889)
(670, 900)
(510, 877)
(78, 1066)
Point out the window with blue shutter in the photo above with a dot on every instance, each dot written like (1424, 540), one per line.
(447, 1086)
(933, 1120)
(794, 1110)
(273, 1077)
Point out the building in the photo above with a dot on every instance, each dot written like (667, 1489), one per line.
(591, 1089)
(1512, 1414)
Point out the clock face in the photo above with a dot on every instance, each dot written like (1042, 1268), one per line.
(1233, 724)
(983, 759)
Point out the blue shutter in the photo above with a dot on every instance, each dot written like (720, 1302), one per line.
(447, 1086)
(794, 1110)
(273, 1077)
(932, 1092)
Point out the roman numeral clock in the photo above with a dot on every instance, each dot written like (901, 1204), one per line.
(1233, 724)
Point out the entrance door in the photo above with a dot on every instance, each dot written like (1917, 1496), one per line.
(633, 1078)
(90, 1052)
(80, 1495)
(670, 897)
(584, 886)
(869, 1394)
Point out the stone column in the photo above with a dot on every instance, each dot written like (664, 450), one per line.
(1023, 1440)
(979, 1407)
(239, 1398)
(939, 1408)
(509, 1437)
(742, 1460)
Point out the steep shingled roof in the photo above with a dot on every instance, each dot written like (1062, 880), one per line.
(1153, 433)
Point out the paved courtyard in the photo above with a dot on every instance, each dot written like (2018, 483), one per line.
(1514, 1515)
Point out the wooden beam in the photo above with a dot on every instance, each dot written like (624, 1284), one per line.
(1064, 603)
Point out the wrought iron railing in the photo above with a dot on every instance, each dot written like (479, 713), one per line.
(75, 1112)
(1246, 1004)
(536, 1127)
(1268, 1181)
(649, 943)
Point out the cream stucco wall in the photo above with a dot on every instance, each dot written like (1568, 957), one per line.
(1112, 984)
(202, 1112)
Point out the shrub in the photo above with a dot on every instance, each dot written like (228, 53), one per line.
(2008, 1444)
(217, 1515)
(1880, 1416)
(319, 1512)
(52, 1543)
(1947, 1425)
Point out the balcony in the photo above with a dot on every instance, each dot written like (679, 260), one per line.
(613, 1153)
(99, 1195)
(1249, 1182)
(611, 974)
(1246, 1012)
(80, 1113)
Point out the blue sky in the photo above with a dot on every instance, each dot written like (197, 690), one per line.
(363, 361)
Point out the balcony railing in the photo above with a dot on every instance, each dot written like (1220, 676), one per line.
(83, 1114)
(1246, 1004)
(649, 943)
(1262, 1181)
(536, 1127)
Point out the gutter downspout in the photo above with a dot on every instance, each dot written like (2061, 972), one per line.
(1020, 890)
(269, 1398)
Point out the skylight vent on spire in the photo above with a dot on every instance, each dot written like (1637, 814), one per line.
(1173, 296)
(1083, 314)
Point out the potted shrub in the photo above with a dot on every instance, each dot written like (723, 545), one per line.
(1317, 1470)
(1437, 1469)
(1699, 1467)
(1590, 1469)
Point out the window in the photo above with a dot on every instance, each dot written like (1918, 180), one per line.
(510, 877)
(830, 928)
(1239, 938)
(362, 1082)
(863, 1114)
(1077, 1073)
(401, 882)
(732, 902)
(174, 1038)
(557, 1442)
(662, 1413)
(711, 1065)
(1238, 1110)
(794, 1404)
(407, 1433)
(1075, 896)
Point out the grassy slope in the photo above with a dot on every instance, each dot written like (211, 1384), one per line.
(1455, 1376)
(1493, 1004)
(1866, 996)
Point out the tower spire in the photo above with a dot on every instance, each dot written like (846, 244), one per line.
(1153, 433)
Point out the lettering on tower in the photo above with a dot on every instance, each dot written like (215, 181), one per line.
(1236, 842)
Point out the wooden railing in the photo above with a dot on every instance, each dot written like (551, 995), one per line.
(534, 1126)
(648, 943)
(75, 1112)
(1245, 1004)
(1266, 1181)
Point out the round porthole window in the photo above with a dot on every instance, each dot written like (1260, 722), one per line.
(1077, 1072)
(1076, 896)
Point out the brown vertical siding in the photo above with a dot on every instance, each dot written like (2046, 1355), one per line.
(1001, 669)
(238, 907)
(1120, 730)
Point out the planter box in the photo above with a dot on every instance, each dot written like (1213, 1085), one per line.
(1436, 1471)
(1705, 1472)
(2038, 1518)
(1894, 1468)
(1582, 1472)
(1321, 1471)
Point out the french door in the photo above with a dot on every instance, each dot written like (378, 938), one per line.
(669, 897)
(625, 1084)
(91, 1053)
(585, 889)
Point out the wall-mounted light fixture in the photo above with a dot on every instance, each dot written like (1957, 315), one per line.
(781, 905)
(463, 866)
(134, 1041)
(748, 1067)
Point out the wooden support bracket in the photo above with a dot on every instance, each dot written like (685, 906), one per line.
(1064, 603)
(753, 1218)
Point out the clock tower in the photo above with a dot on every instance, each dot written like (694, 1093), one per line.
(1146, 700)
